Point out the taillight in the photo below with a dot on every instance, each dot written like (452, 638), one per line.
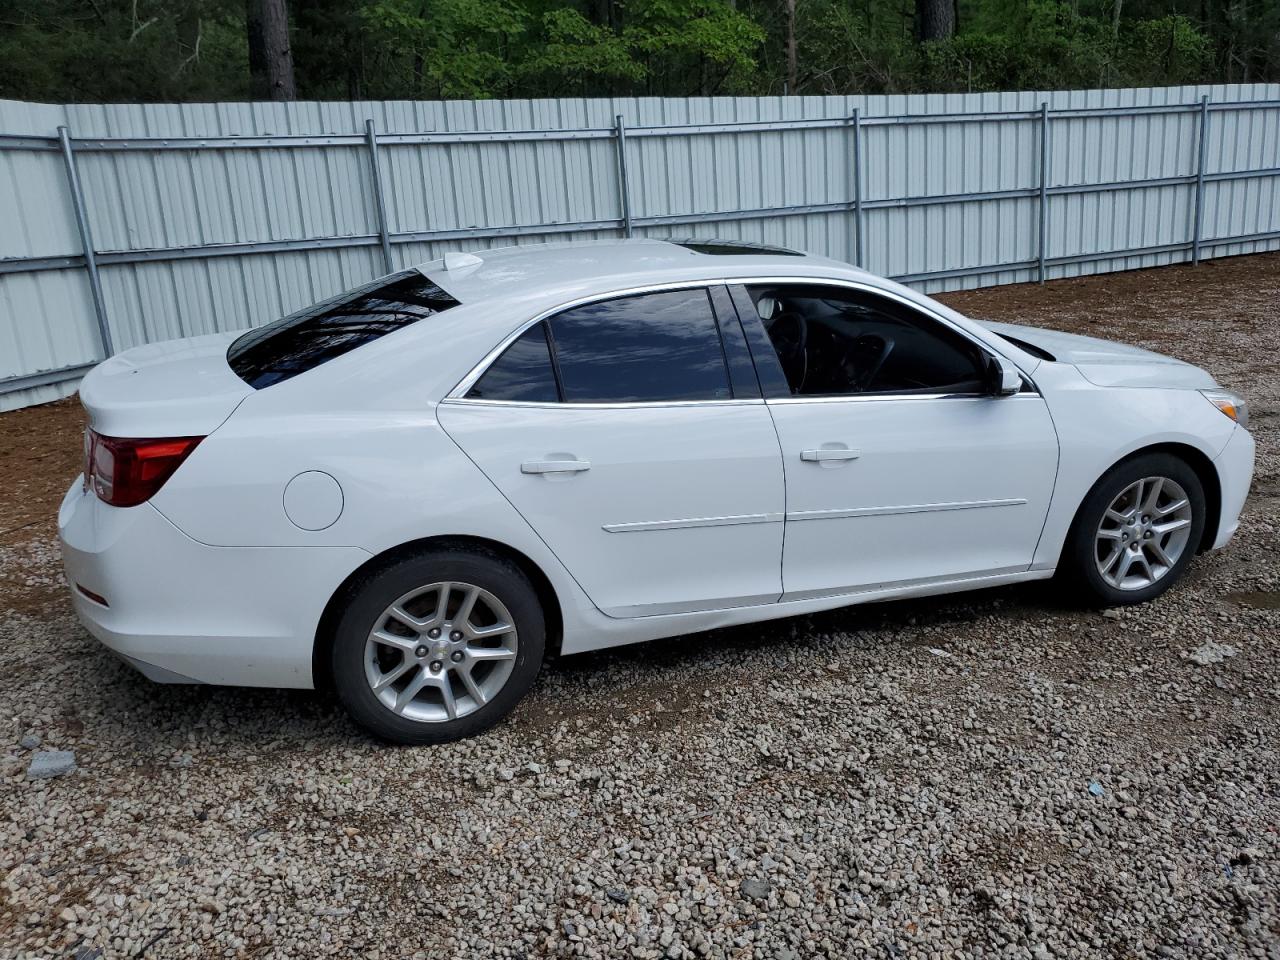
(125, 472)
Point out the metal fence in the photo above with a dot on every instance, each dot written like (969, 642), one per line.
(127, 224)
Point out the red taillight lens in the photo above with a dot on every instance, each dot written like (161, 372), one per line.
(125, 473)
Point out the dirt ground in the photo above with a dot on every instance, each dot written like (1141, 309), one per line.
(982, 775)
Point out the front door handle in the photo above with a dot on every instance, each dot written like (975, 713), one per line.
(554, 466)
(829, 453)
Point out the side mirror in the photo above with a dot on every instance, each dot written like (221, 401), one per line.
(1003, 378)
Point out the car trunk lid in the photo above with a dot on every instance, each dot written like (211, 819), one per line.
(178, 388)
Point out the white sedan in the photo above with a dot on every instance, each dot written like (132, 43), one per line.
(414, 491)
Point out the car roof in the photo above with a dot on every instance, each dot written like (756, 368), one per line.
(556, 272)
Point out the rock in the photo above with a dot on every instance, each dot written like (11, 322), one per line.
(618, 896)
(29, 742)
(51, 763)
(1212, 652)
(754, 889)
(67, 915)
(1111, 614)
(791, 899)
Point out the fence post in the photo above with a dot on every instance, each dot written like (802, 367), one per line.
(1043, 224)
(624, 191)
(858, 257)
(1202, 147)
(380, 207)
(86, 242)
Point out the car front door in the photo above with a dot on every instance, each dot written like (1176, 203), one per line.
(633, 438)
(901, 468)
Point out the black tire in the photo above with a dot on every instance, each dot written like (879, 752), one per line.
(371, 596)
(1079, 565)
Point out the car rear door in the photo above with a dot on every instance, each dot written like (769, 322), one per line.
(900, 467)
(633, 438)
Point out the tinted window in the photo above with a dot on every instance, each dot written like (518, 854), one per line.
(734, 248)
(523, 372)
(831, 341)
(304, 340)
(652, 347)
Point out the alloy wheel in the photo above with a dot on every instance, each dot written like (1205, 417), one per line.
(440, 652)
(1143, 533)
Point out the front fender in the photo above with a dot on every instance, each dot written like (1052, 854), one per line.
(1100, 426)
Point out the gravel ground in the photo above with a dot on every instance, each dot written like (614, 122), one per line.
(992, 774)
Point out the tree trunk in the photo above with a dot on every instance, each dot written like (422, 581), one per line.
(791, 46)
(270, 57)
(935, 19)
(1115, 19)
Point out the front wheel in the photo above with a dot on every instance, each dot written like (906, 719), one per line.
(1137, 530)
(439, 646)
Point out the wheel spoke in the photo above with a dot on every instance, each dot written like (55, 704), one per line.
(402, 615)
(463, 615)
(442, 603)
(1110, 562)
(405, 644)
(1160, 529)
(485, 654)
(1157, 551)
(487, 633)
(446, 694)
(1171, 508)
(473, 688)
(1153, 496)
(410, 691)
(1126, 562)
(394, 674)
(1141, 558)
(1107, 533)
(1115, 516)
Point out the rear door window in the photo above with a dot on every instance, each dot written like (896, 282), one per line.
(304, 340)
(647, 348)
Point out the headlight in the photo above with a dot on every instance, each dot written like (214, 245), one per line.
(1230, 404)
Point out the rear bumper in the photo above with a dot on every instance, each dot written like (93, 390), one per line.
(182, 611)
(1235, 473)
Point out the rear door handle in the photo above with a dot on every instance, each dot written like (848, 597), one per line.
(554, 466)
(829, 453)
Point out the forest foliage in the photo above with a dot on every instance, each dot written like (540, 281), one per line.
(188, 50)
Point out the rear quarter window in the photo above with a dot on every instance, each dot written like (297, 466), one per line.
(317, 334)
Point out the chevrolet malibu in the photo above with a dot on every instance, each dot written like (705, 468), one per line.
(414, 491)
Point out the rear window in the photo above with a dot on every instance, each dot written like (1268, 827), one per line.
(306, 339)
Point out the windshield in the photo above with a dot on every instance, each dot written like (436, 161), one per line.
(315, 335)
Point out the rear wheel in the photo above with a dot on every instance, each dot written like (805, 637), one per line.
(1137, 530)
(438, 646)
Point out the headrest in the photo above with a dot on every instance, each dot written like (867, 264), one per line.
(767, 307)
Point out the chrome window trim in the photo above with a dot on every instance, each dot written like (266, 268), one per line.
(458, 393)
(873, 397)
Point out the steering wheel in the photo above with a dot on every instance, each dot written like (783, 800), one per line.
(789, 334)
(868, 353)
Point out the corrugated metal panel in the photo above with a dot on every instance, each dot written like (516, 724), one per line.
(145, 200)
